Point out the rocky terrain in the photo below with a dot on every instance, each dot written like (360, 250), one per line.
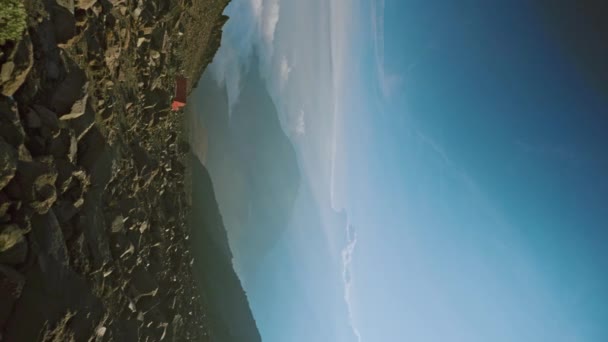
(94, 238)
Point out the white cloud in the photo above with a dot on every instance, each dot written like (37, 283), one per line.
(251, 27)
(266, 14)
(325, 44)
(300, 127)
(284, 71)
(347, 275)
(388, 82)
(270, 20)
(257, 7)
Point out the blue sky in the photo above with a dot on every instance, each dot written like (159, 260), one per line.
(468, 151)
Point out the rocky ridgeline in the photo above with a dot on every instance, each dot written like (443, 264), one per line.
(93, 236)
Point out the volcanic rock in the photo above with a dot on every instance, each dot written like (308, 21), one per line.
(5, 204)
(65, 211)
(85, 4)
(92, 193)
(77, 109)
(10, 125)
(10, 235)
(8, 163)
(142, 283)
(47, 118)
(64, 23)
(16, 254)
(71, 90)
(32, 119)
(65, 168)
(36, 182)
(15, 70)
(11, 285)
(49, 238)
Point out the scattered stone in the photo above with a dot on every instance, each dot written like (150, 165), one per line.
(5, 205)
(85, 4)
(143, 227)
(51, 293)
(15, 70)
(32, 119)
(49, 237)
(78, 187)
(73, 149)
(91, 148)
(79, 253)
(59, 146)
(67, 4)
(10, 235)
(97, 96)
(8, 163)
(47, 118)
(118, 224)
(100, 332)
(21, 216)
(82, 124)
(92, 223)
(16, 254)
(36, 181)
(24, 153)
(78, 108)
(10, 125)
(65, 211)
(142, 283)
(65, 169)
(112, 56)
(11, 285)
(37, 144)
(72, 89)
(64, 23)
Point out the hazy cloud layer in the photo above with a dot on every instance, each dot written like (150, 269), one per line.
(347, 275)
(388, 82)
(285, 70)
(251, 28)
(322, 35)
(300, 128)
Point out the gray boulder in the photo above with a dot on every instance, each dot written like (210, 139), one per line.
(48, 118)
(10, 125)
(11, 285)
(85, 4)
(142, 283)
(14, 71)
(72, 89)
(64, 23)
(36, 181)
(32, 119)
(64, 168)
(10, 236)
(8, 163)
(15, 255)
(63, 145)
(49, 237)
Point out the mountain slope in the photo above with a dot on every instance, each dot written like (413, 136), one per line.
(253, 166)
(230, 317)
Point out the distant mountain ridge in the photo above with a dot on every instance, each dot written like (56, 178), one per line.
(253, 165)
(223, 296)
